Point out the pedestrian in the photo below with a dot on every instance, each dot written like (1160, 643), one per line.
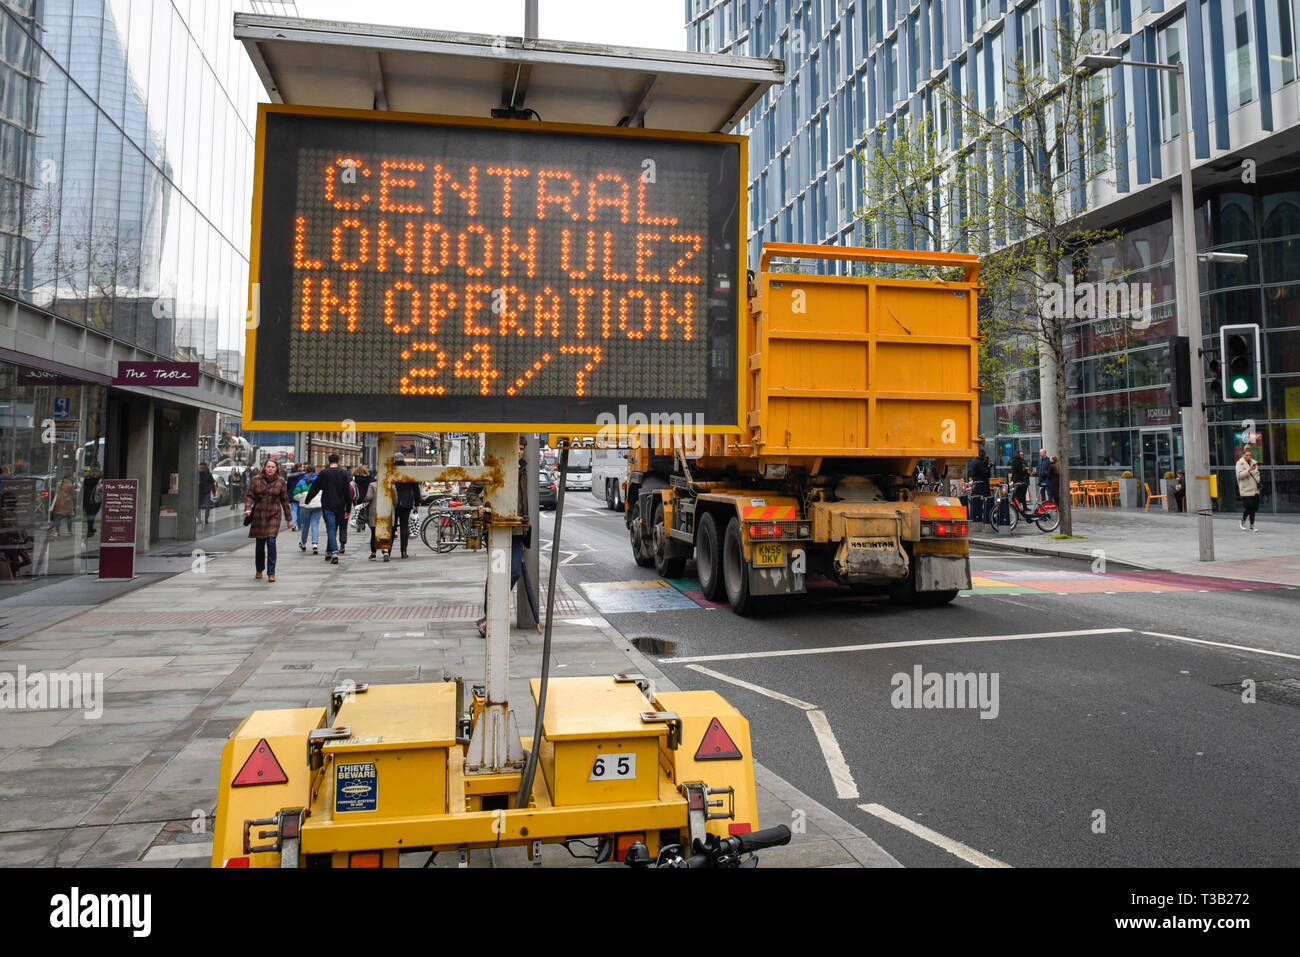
(406, 502)
(361, 483)
(1054, 480)
(266, 498)
(64, 496)
(1248, 485)
(522, 536)
(207, 491)
(1044, 475)
(333, 486)
(294, 476)
(92, 497)
(978, 473)
(308, 511)
(367, 509)
(1180, 491)
(1019, 476)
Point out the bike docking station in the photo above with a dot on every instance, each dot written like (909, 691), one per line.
(366, 312)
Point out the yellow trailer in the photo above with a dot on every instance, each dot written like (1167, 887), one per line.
(852, 380)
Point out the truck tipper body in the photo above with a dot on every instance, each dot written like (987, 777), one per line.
(850, 381)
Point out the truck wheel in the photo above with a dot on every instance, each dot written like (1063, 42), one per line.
(609, 495)
(640, 552)
(708, 558)
(735, 572)
(666, 565)
(618, 496)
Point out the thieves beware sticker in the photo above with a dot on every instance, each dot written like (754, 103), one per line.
(356, 788)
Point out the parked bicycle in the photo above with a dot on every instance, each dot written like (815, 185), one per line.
(1046, 516)
(447, 525)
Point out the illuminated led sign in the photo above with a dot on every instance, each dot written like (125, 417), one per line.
(435, 271)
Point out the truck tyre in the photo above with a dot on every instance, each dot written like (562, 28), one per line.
(735, 572)
(618, 496)
(641, 551)
(666, 565)
(708, 558)
(610, 485)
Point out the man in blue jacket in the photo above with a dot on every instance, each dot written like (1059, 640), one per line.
(1043, 472)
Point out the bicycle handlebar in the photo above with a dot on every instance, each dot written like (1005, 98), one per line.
(726, 852)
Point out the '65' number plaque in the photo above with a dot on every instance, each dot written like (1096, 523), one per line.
(613, 767)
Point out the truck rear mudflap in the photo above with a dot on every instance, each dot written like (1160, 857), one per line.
(863, 560)
(942, 572)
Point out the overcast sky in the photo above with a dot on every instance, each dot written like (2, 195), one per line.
(658, 24)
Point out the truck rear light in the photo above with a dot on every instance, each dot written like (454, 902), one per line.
(364, 859)
(758, 530)
(805, 531)
(943, 529)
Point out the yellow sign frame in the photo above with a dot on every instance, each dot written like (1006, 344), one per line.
(429, 119)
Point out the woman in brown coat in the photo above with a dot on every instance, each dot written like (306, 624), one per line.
(266, 498)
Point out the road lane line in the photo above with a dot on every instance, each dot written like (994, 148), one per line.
(845, 787)
(841, 776)
(955, 848)
(801, 705)
(833, 649)
(1222, 644)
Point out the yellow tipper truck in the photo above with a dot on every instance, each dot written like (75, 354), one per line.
(851, 381)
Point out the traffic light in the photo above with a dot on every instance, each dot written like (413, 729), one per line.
(1180, 372)
(1239, 347)
(1214, 376)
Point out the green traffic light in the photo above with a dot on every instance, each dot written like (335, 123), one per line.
(1240, 385)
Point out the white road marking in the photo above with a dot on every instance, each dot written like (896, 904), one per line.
(955, 848)
(835, 763)
(1223, 644)
(833, 649)
(841, 776)
(801, 705)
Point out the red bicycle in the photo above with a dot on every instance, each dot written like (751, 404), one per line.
(1046, 516)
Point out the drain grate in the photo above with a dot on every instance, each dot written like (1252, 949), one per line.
(1283, 691)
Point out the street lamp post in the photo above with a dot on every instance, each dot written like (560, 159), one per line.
(1196, 431)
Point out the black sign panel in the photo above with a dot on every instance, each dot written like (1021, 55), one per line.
(420, 271)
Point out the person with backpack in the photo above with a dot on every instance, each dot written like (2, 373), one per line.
(92, 498)
(367, 509)
(266, 498)
(333, 486)
(308, 511)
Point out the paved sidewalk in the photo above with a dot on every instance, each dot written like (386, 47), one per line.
(1167, 541)
(186, 658)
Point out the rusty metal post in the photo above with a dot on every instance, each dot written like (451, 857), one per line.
(495, 745)
(384, 492)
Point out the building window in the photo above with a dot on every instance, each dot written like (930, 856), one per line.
(841, 190)
(914, 52)
(837, 63)
(787, 182)
(999, 76)
(1239, 52)
(1033, 32)
(873, 31)
(1281, 43)
(1171, 51)
(891, 73)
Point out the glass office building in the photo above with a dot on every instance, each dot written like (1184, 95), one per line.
(860, 65)
(126, 148)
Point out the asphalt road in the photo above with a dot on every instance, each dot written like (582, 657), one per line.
(1116, 747)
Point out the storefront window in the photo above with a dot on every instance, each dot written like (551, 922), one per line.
(51, 455)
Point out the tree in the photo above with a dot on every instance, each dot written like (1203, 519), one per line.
(1009, 180)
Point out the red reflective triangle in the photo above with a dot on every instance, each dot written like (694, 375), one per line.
(260, 768)
(717, 745)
